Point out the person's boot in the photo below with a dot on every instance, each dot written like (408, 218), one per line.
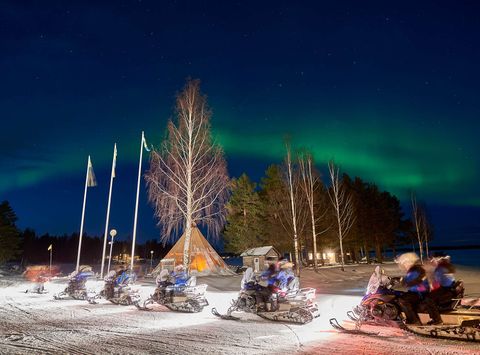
(274, 305)
(433, 312)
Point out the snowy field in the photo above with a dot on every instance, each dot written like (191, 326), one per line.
(35, 324)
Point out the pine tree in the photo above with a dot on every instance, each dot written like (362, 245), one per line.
(274, 195)
(244, 216)
(9, 233)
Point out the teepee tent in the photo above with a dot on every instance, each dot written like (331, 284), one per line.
(204, 260)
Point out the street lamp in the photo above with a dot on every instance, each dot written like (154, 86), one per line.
(113, 233)
(151, 260)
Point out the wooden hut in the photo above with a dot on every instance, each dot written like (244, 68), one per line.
(259, 258)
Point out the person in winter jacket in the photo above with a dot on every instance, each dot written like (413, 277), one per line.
(416, 282)
(443, 288)
(285, 275)
(265, 288)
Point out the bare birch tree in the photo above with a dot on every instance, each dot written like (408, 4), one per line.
(292, 196)
(417, 219)
(423, 230)
(188, 180)
(426, 231)
(310, 183)
(343, 207)
(278, 212)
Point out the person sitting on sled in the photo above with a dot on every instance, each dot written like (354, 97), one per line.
(163, 280)
(109, 288)
(125, 277)
(286, 277)
(418, 287)
(443, 284)
(266, 287)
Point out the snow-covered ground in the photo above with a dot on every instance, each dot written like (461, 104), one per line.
(32, 323)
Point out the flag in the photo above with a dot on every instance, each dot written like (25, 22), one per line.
(91, 180)
(114, 160)
(50, 247)
(145, 143)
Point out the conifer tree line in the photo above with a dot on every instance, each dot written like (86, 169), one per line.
(260, 214)
(27, 247)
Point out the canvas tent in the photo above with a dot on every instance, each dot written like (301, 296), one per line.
(204, 260)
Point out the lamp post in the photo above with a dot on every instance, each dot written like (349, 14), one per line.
(113, 233)
(151, 260)
(50, 248)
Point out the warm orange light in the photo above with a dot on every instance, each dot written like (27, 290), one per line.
(199, 263)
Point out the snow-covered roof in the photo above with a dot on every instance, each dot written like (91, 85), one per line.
(257, 251)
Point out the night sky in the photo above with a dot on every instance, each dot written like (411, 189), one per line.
(388, 89)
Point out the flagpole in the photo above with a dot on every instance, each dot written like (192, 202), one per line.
(105, 236)
(136, 202)
(83, 215)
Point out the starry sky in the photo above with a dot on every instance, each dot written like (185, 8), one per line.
(389, 90)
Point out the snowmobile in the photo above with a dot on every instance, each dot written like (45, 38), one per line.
(39, 286)
(186, 297)
(293, 304)
(379, 306)
(117, 289)
(76, 287)
(39, 275)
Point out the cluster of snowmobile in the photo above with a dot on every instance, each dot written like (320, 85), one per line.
(288, 302)
(176, 291)
(180, 292)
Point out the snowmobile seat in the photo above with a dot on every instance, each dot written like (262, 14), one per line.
(470, 302)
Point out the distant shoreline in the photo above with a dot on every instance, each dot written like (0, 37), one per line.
(445, 247)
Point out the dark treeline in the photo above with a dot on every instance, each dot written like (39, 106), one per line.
(29, 248)
(65, 248)
(260, 214)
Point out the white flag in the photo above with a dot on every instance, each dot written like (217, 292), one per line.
(145, 143)
(91, 180)
(114, 160)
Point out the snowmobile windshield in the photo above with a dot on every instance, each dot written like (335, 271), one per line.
(83, 275)
(180, 278)
(248, 276)
(377, 280)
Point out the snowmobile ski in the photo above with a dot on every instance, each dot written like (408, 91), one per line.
(334, 323)
(223, 316)
(352, 316)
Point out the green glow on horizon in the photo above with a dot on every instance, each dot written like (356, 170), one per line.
(397, 157)
(392, 153)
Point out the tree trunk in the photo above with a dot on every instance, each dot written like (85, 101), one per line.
(378, 251)
(367, 254)
(186, 245)
(314, 236)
